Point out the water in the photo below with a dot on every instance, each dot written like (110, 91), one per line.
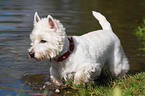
(16, 23)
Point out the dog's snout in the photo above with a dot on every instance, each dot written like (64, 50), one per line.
(31, 54)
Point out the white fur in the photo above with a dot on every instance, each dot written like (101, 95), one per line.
(91, 52)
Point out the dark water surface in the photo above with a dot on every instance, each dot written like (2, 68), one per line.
(16, 22)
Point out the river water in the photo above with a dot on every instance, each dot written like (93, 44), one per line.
(17, 71)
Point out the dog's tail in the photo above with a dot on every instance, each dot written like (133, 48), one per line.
(102, 20)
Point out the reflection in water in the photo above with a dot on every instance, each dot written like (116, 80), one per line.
(16, 22)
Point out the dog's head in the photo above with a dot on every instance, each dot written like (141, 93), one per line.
(48, 37)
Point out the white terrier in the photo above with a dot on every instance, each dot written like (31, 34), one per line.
(79, 58)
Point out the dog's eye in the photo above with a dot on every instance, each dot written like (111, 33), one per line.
(43, 41)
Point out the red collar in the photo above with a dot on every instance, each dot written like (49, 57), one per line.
(66, 54)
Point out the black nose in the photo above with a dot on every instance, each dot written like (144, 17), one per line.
(31, 54)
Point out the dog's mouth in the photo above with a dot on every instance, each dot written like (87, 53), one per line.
(32, 55)
(38, 59)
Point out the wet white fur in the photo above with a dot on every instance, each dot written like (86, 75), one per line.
(91, 52)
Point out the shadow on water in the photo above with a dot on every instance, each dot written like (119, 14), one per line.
(16, 23)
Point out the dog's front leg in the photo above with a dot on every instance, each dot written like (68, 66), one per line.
(87, 74)
(56, 81)
(81, 77)
(55, 77)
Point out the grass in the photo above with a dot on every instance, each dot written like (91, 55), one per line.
(130, 86)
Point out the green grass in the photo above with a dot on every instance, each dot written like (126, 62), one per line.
(129, 86)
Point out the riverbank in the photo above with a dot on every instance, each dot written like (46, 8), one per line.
(131, 85)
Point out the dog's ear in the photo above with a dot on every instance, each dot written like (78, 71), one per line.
(36, 18)
(51, 22)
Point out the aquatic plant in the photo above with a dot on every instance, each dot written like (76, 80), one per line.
(140, 33)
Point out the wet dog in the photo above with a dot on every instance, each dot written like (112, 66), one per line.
(79, 58)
